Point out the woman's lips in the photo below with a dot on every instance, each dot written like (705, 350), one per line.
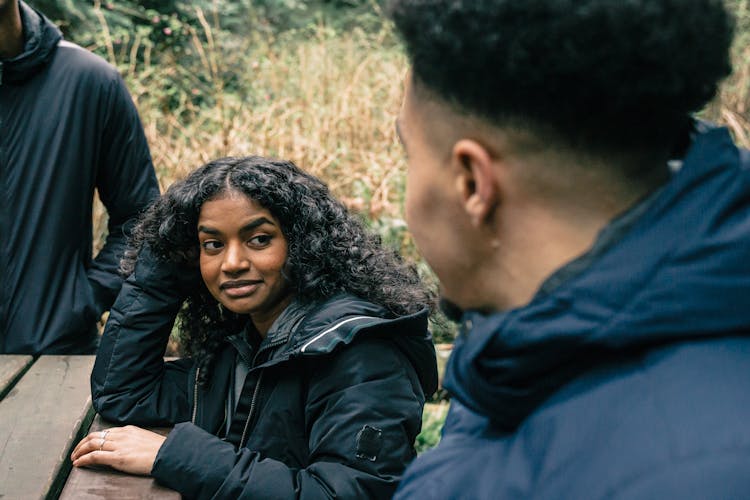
(238, 289)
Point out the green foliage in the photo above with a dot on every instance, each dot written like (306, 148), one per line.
(433, 419)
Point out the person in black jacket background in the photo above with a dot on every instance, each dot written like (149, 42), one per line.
(309, 354)
(67, 126)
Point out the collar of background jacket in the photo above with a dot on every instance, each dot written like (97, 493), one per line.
(679, 272)
(40, 42)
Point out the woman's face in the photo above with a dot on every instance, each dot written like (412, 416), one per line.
(242, 254)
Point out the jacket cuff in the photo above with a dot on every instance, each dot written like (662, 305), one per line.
(181, 463)
(150, 269)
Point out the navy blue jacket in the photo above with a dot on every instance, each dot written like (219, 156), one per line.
(630, 379)
(67, 127)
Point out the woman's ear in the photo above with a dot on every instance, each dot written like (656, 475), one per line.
(476, 180)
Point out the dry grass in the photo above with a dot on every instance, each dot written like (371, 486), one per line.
(732, 106)
(328, 104)
(325, 100)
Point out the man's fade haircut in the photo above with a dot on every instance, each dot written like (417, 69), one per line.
(597, 75)
(329, 250)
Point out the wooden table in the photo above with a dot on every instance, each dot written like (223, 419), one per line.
(45, 409)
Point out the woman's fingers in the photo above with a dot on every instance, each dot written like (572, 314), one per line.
(93, 441)
(95, 457)
(129, 449)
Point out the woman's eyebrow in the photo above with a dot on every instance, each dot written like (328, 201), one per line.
(208, 230)
(247, 227)
(256, 223)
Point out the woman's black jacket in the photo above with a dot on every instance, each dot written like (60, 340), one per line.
(336, 403)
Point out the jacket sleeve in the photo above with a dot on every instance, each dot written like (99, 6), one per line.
(363, 408)
(126, 183)
(130, 382)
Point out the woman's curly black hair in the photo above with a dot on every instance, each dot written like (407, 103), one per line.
(329, 250)
(607, 74)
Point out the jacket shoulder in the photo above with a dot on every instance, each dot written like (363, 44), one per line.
(84, 63)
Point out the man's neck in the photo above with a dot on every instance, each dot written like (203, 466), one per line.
(11, 31)
(527, 257)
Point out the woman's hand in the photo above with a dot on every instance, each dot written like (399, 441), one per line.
(129, 449)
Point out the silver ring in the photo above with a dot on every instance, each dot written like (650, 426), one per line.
(104, 438)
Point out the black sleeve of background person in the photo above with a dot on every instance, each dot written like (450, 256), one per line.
(126, 183)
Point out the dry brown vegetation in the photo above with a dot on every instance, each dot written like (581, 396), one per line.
(732, 105)
(324, 98)
(327, 102)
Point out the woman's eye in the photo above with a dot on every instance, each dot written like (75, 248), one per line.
(260, 240)
(211, 245)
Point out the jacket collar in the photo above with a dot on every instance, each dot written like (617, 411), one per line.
(40, 42)
(316, 329)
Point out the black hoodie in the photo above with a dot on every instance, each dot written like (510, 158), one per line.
(67, 127)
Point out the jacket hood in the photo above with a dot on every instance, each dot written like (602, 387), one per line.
(680, 272)
(343, 318)
(40, 42)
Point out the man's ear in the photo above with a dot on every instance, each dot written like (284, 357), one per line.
(476, 180)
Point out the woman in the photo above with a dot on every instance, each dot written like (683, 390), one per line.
(309, 355)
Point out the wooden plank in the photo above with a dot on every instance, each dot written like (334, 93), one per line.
(41, 418)
(105, 483)
(12, 367)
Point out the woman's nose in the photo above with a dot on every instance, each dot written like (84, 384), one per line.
(235, 259)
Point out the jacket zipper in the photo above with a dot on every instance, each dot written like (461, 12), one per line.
(195, 394)
(252, 410)
(256, 391)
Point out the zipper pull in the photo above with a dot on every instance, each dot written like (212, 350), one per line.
(195, 395)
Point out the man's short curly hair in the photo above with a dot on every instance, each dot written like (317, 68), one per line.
(607, 74)
(329, 250)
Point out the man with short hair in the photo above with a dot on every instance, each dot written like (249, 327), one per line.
(593, 238)
(67, 127)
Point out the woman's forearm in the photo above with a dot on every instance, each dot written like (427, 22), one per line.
(130, 383)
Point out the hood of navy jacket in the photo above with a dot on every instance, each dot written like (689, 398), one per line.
(681, 271)
(40, 42)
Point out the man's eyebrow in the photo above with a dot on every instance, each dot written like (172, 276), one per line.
(398, 132)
